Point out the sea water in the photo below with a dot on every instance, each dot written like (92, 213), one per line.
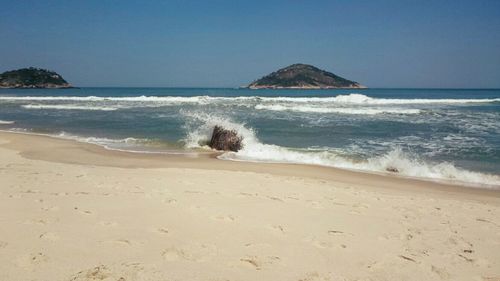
(437, 134)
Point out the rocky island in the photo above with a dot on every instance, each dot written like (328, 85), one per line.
(28, 78)
(303, 76)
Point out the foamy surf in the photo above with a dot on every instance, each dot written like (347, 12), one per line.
(353, 98)
(68, 107)
(340, 110)
(453, 134)
(350, 104)
(397, 160)
(5, 122)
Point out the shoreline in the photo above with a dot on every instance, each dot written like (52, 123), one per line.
(77, 211)
(111, 157)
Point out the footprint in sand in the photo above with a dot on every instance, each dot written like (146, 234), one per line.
(3, 244)
(50, 209)
(31, 260)
(60, 194)
(121, 242)
(224, 218)
(39, 221)
(173, 254)
(100, 272)
(108, 223)
(195, 252)
(279, 229)
(196, 208)
(82, 193)
(294, 198)
(490, 278)
(246, 194)
(315, 204)
(50, 236)
(314, 276)
(259, 246)
(334, 232)
(32, 191)
(321, 244)
(161, 230)
(169, 201)
(83, 212)
(274, 198)
(126, 271)
(443, 274)
(258, 263)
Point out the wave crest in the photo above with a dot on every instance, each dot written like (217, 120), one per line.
(341, 110)
(68, 107)
(342, 104)
(353, 98)
(253, 150)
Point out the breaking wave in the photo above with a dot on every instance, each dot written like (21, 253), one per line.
(341, 110)
(342, 104)
(396, 160)
(354, 98)
(5, 122)
(68, 107)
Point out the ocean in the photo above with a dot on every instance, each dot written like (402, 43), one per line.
(450, 135)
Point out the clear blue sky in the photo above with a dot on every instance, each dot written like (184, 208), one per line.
(230, 43)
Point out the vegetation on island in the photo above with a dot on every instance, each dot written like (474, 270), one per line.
(302, 76)
(32, 78)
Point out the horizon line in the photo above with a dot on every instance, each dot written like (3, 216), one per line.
(242, 87)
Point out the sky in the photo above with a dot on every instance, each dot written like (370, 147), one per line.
(403, 43)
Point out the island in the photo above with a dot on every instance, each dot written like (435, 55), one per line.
(303, 76)
(32, 78)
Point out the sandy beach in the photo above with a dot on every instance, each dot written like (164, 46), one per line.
(75, 211)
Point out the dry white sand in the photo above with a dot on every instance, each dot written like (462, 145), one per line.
(71, 211)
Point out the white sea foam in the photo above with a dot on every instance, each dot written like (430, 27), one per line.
(198, 135)
(412, 166)
(340, 99)
(396, 160)
(360, 99)
(106, 142)
(193, 99)
(341, 110)
(343, 104)
(5, 122)
(393, 160)
(68, 107)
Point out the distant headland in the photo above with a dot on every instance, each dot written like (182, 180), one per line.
(32, 78)
(303, 76)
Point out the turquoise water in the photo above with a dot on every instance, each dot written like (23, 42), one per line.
(451, 135)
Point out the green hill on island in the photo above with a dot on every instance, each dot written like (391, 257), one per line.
(32, 77)
(302, 76)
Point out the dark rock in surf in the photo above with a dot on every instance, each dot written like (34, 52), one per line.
(392, 169)
(227, 140)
